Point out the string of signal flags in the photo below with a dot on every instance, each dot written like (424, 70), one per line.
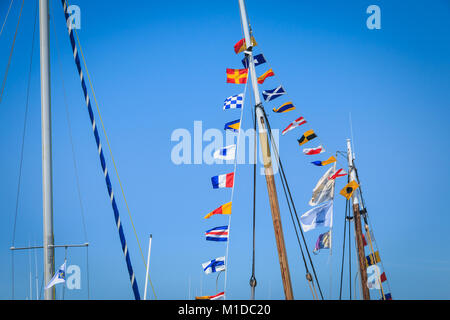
(321, 215)
(324, 199)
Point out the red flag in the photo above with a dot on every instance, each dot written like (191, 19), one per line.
(239, 46)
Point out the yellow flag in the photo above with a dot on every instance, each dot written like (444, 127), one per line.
(348, 190)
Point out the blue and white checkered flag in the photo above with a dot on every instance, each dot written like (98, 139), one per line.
(234, 102)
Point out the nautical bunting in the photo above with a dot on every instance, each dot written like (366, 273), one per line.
(269, 95)
(258, 59)
(387, 296)
(323, 242)
(240, 46)
(307, 136)
(338, 174)
(218, 296)
(234, 102)
(285, 107)
(223, 209)
(265, 75)
(372, 259)
(217, 234)
(227, 153)
(320, 216)
(102, 161)
(331, 159)
(214, 265)
(297, 123)
(223, 181)
(233, 125)
(59, 277)
(348, 190)
(313, 151)
(237, 76)
(324, 189)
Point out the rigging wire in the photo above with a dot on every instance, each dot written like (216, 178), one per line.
(349, 253)
(11, 53)
(255, 151)
(283, 177)
(343, 249)
(6, 18)
(232, 189)
(69, 129)
(22, 146)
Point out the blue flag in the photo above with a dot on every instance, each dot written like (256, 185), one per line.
(258, 59)
(269, 95)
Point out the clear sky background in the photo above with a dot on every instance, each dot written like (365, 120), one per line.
(158, 66)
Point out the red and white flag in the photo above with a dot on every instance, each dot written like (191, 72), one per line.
(337, 174)
(217, 296)
(312, 151)
(294, 125)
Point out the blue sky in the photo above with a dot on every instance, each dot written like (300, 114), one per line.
(160, 66)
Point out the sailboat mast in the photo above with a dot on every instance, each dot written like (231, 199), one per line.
(46, 129)
(358, 228)
(268, 170)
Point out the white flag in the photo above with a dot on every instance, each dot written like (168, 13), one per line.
(320, 216)
(324, 190)
(59, 277)
(227, 153)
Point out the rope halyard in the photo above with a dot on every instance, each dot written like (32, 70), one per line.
(102, 160)
(5, 77)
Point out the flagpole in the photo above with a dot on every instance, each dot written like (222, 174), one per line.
(268, 170)
(48, 241)
(358, 227)
(148, 266)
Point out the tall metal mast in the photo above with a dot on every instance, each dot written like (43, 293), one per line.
(268, 170)
(46, 129)
(358, 227)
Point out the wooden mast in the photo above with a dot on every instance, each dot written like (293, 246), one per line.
(358, 227)
(267, 160)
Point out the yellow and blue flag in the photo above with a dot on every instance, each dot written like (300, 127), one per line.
(233, 125)
(285, 107)
(324, 163)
